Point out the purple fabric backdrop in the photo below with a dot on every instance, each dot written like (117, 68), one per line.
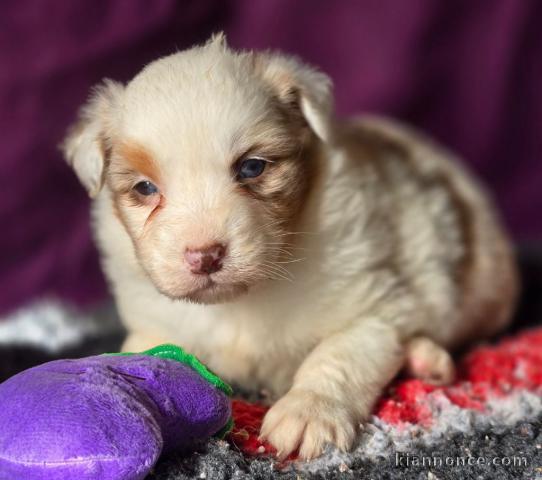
(465, 71)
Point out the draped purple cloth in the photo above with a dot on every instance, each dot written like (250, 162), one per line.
(467, 72)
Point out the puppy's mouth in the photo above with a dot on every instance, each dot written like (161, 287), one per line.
(219, 287)
(211, 291)
(206, 284)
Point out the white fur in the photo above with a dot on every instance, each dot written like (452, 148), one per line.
(376, 266)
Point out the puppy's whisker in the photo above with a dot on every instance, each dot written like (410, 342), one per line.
(268, 225)
(289, 246)
(280, 250)
(284, 234)
(295, 260)
(278, 271)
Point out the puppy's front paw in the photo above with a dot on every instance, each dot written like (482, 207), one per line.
(307, 420)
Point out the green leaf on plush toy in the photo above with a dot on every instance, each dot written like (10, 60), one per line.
(173, 352)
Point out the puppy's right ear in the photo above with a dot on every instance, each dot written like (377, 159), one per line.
(88, 142)
(302, 88)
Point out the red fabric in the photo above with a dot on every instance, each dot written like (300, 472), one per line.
(248, 420)
(486, 372)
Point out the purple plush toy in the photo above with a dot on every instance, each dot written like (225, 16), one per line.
(107, 417)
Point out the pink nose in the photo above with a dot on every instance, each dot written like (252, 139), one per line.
(205, 260)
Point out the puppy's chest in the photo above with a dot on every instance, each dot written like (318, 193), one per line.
(253, 355)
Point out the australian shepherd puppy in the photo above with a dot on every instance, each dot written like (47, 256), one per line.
(289, 251)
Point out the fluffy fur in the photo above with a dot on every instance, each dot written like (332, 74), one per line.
(361, 249)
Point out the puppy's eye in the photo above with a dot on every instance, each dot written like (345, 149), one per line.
(146, 188)
(251, 168)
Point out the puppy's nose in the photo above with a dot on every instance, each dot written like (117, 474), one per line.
(205, 260)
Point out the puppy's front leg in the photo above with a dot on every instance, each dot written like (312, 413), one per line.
(334, 390)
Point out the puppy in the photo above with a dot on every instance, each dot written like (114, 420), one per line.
(289, 251)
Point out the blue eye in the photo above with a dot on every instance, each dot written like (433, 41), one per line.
(251, 168)
(146, 188)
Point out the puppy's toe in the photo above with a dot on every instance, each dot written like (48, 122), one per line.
(284, 432)
(429, 362)
(318, 433)
(308, 421)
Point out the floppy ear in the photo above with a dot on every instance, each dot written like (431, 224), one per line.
(302, 87)
(88, 142)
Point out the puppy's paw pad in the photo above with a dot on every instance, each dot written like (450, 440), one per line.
(308, 421)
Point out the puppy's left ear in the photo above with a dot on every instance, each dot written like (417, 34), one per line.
(88, 142)
(300, 87)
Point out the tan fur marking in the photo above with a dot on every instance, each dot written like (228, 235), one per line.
(381, 146)
(283, 185)
(374, 146)
(139, 159)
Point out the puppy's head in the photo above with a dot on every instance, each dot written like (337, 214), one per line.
(207, 156)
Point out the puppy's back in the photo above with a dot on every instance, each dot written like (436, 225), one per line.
(463, 236)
